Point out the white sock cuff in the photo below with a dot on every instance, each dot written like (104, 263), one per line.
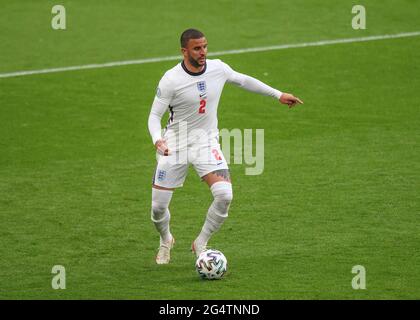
(215, 214)
(166, 216)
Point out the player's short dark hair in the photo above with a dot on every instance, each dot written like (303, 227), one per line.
(190, 34)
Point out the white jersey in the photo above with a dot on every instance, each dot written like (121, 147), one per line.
(192, 100)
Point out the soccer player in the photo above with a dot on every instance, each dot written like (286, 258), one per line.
(190, 92)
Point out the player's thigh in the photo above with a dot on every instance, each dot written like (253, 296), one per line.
(216, 176)
(170, 172)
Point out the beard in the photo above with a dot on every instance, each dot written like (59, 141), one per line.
(194, 62)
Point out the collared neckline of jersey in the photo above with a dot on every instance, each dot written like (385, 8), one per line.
(193, 73)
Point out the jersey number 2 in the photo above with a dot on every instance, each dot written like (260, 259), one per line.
(216, 154)
(202, 108)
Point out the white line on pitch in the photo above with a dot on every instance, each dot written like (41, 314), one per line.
(219, 53)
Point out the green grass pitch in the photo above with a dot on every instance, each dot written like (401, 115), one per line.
(341, 181)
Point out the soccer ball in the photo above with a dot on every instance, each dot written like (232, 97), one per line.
(211, 264)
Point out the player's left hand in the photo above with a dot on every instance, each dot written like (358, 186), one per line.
(290, 100)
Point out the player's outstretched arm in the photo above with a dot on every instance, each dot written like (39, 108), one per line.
(289, 99)
(257, 86)
(254, 85)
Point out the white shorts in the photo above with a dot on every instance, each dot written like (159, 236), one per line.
(171, 170)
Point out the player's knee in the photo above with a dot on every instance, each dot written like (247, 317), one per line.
(223, 195)
(160, 203)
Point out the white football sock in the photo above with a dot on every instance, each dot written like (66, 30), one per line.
(160, 212)
(218, 211)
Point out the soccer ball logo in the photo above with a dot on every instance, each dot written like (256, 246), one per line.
(211, 264)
